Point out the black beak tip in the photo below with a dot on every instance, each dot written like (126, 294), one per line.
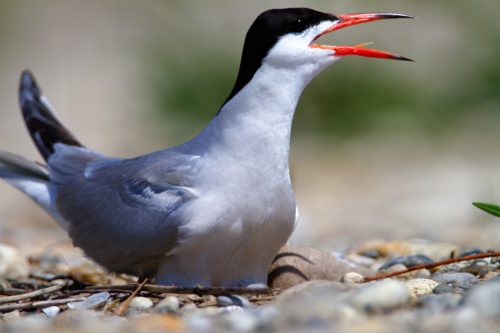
(393, 15)
(398, 57)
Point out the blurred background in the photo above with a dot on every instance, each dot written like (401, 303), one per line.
(380, 149)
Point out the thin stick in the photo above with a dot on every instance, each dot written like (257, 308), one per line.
(32, 294)
(11, 291)
(216, 291)
(434, 264)
(126, 303)
(39, 304)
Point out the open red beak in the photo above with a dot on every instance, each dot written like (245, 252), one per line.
(347, 20)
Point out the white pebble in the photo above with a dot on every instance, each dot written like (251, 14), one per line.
(51, 311)
(141, 303)
(90, 302)
(353, 278)
(168, 305)
(420, 287)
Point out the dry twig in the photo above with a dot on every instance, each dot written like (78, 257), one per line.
(32, 294)
(434, 264)
(152, 288)
(39, 304)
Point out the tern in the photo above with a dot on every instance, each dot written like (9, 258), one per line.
(213, 211)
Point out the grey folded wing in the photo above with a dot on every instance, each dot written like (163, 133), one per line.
(124, 213)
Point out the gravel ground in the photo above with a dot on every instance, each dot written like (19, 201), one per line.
(81, 297)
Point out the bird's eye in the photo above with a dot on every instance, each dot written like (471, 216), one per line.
(299, 25)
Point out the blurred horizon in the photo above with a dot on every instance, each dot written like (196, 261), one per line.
(380, 149)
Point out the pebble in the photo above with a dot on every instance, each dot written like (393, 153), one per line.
(51, 311)
(478, 267)
(408, 261)
(420, 287)
(29, 323)
(485, 298)
(371, 253)
(443, 288)
(394, 268)
(169, 304)
(353, 278)
(460, 280)
(12, 264)
(379, 296)
(297, 264)
(187, 308)
(470, 252)
(437, 303)
(91, 302)
(360, 260)
(240, 322)
(139, 304)
(311, 289)
(231, 300)
(12, 316)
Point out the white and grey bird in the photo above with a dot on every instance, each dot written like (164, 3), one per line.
(213, 211)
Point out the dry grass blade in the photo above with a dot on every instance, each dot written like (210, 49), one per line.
(126, 303)
(434, 264)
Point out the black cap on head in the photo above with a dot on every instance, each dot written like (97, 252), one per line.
(265, 31)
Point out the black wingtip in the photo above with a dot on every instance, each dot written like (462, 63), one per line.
(45, 128)
(28, 87)
(28, 79)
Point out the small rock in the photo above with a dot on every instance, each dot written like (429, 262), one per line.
(353, 278)
(265, 314)
(394, 268)
(189, 307)
(298, 264)
(491, 275)
(29, 323)
(169, 304)
(478, 267)
(456, 279)
(485, 298)
(12, 316)
(371, 253)
(319, 304)
(139, 304)
(443, 288)
(310, 289)
(12, 264)
(51, 311)
(420, 287)
(379, 296)
(233, 300)
(240, 321)
(470, 252)
(408, 261)
(422, 273)
(360, 260)
(91, 302)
